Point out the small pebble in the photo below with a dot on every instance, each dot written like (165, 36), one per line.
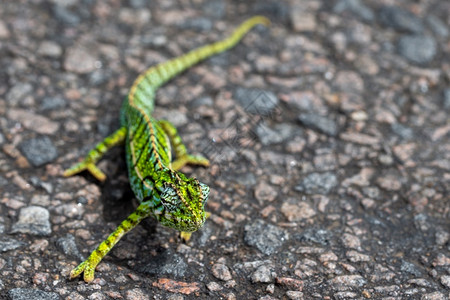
(263, 274)
(321, 123)
(7, 244)
(39, 151)
(354, 281)
(166, 263)
(50, 49)
(400, 19)
(437, 26)
(356, 7)
(418, 49)
(214, 286)
(256, 101)
(65, 15)
(265, 237)
(222, 272)
(79, 60)
(297, 211)
(318, 183)
(295, 295)
(33, 220)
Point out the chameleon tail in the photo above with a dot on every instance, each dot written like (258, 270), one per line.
(183, 62)
(155, 76)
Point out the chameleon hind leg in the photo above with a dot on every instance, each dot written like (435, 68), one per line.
(96, 154)
(182, 157)
(88, 266)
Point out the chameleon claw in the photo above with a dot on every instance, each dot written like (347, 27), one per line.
(96, 172)
(185, 236)
(86, 268)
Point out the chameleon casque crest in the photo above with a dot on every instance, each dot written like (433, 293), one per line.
(163, 192)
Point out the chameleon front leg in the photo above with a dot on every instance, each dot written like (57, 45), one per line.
(96, 154)
(88, 266)
(182, 157)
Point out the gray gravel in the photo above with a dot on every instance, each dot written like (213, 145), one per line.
(356, 7)
(320, 123)
(328, 136)
(447, 98)
(33, 220)
(31, 294)
(39, 151)
(400, 19)
(417, 48)
(69, 247)
(167, 263)
(7, 244)
(318, 183)
(256, 101)
(265, 237)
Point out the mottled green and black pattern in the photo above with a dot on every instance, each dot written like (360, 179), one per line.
(175, 200)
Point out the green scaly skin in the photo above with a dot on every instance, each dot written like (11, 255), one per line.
(168, 195)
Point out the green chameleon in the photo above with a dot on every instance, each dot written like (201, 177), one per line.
(168, 195)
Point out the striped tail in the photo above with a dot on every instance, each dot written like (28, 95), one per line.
(145, 85)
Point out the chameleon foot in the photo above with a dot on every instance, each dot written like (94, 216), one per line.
(87, 267)
(185, 236)
(88, 166)
(190, 159)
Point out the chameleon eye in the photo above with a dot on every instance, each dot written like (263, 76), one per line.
(169, 198)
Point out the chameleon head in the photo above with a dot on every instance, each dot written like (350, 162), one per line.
(184, 204)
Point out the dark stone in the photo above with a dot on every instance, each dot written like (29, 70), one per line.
(51, 103)
(247, 179)
(265, 237)
(3, 181)
(275, 10)
(36, 182)
(400, 19)
(64, 15)
(98, 77)
(410, 268)
(31, 294)
(69, 247)
(38, 151)
(447, 98)
(34, 220)
(214, 8)
(9, 244)
(402, 131)
(356, 7)
(197, 24)
(320, 123)
(438, 27)
(318, 183)
(256, 101)
(165, 263)
(417, 48)
(269, 136)
(315, 236)
(138, 3)
(206, 101)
